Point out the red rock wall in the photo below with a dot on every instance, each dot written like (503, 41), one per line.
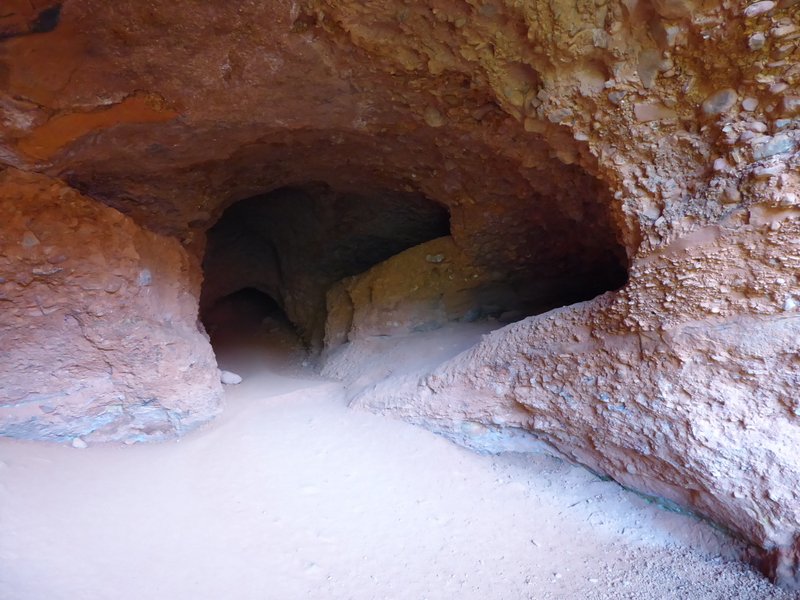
(98, 329)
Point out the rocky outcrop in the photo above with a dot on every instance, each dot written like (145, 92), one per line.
(570, 141)
(694, 405)
(98, 329)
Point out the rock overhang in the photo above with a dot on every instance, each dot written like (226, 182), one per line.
(665, 134)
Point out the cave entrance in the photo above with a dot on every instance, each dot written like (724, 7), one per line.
(250, 332)
(276, 256)
(336, 266)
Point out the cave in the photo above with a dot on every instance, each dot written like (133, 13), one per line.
(532, 229)
(313, 251)
(236, 313)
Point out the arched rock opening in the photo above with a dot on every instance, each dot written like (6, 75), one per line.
(294, 243)
(345, 264)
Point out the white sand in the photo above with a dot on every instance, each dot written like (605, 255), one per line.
(292, 495)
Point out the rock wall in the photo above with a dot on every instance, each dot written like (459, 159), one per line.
(98, 328)
(695, 404)
(426, 287)
(563, 137)
(680, 385)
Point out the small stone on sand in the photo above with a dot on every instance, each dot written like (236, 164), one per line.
(229, 378)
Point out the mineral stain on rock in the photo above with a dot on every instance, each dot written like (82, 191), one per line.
(23, 20)
(47, 20)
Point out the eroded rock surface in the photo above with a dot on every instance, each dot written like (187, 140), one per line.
(569, 141)
(98, 324)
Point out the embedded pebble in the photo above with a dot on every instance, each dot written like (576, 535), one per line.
(759, 8)
(472, 428)
(720, 164)
(791, 105)
(788, 200)
(719, 102)
(750, 104)
(756, 41)
(649, 62)
(616, 97)
(229, 378)
(653, 112)
(29, 240)
(731, 195)
(79, 443)
(778, 88)
(784, 30)
(780, 144)
(433, 117)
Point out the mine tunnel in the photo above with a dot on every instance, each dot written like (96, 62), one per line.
(336, 266)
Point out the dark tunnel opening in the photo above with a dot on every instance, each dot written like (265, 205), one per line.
(294, 243)
(240, 312)
(334, 266)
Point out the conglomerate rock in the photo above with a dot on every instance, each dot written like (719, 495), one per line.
(564, 138)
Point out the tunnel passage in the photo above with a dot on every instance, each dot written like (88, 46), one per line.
(347, 265)
(241, 311)
(294, 243)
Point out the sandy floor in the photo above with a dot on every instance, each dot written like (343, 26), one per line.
(292, 495)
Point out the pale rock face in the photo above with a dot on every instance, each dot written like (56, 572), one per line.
(568, 141)
(694, 405)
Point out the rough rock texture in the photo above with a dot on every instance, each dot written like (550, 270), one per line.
(566, 139)
(423, 289)
(701, 413)
(97, 330)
